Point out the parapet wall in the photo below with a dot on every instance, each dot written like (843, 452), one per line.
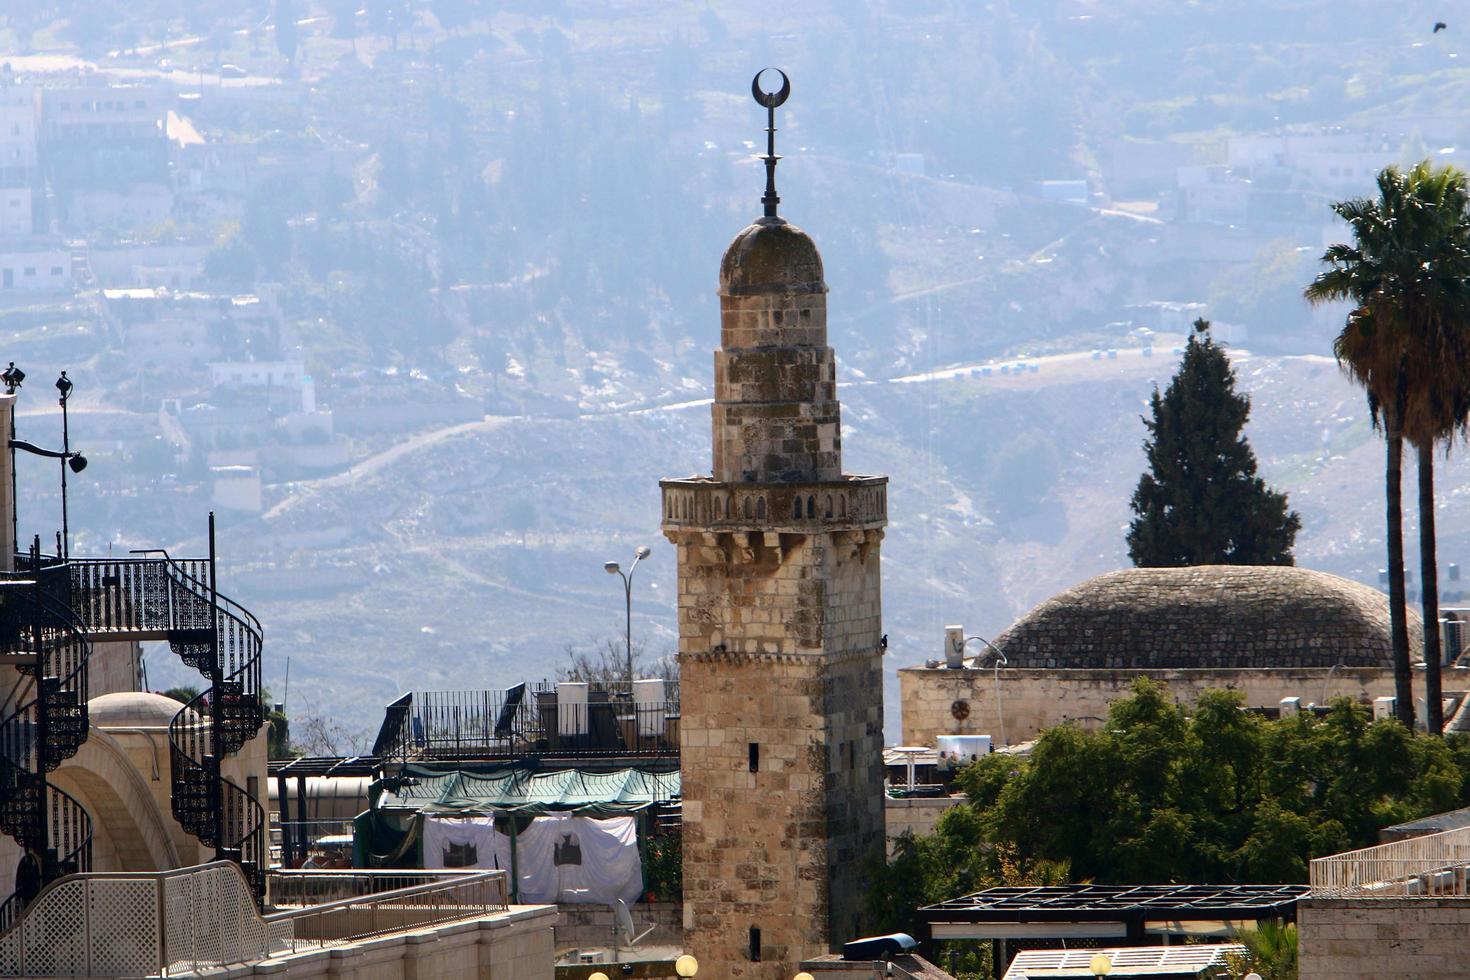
(940, 701)
(1383, 938)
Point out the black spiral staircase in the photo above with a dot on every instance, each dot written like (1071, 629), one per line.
(45, 641)
(157, 597)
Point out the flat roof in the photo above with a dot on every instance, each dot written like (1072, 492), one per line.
(1109, 910)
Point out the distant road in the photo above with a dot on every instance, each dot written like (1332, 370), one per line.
(377, 461)
(1074, 364)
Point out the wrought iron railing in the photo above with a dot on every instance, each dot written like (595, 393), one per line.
(1431, 866)
(42, 638)
(526, 720)
(155, 596)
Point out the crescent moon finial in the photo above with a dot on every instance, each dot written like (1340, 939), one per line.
(771, 100)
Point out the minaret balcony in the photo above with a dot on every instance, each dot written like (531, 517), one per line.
(854, 502)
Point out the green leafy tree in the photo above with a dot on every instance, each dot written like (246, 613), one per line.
(1200, 501)
(1160, 795)
(1407, 344)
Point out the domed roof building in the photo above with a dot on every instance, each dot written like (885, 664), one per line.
(132, 710)
(1279, 636)
(1217, 616)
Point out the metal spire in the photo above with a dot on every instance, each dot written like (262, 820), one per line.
(771, 100)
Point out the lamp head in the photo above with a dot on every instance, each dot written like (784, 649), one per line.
(1101, 965)
(686, 966)
(611, 567)
(599, 975)
(77, 462)
(12, 377)
(803, 975)
(643, 552)
(64, 385)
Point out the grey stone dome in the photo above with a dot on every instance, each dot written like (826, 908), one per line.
(771, 256)
(1222, 616)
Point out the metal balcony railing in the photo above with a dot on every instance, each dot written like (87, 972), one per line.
(526, 720)
(1432, 866)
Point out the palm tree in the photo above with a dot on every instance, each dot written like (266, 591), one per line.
(1271, 951)
(1405, 343)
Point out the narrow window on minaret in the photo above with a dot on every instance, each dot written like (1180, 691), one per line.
(755, 757)
(755, 944)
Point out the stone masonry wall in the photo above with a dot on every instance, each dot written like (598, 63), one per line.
(1383, 939)
(775, 416)
(1033, 699)
(854, 783)
(778, 648)
(755, 843)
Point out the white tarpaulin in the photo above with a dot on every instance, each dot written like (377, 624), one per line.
(579, 859)
(559, 858)
(460, 842)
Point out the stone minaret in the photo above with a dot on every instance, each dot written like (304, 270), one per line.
(780, 619)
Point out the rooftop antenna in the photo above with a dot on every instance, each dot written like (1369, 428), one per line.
(771, 100)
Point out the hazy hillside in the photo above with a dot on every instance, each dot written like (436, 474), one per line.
(489, 231)
(1004, 491)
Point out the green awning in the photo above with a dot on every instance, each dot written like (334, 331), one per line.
(519, 789)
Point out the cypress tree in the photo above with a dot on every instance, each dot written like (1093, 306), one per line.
(1200, 501)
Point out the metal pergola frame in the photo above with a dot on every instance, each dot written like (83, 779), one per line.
(1132, 911)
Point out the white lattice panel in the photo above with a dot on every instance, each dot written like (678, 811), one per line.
(212, 920)
(124, 927)
(54, 932)
(10, 954)
(178, 910)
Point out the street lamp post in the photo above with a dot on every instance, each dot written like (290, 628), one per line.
(75, 462)
(612, 568)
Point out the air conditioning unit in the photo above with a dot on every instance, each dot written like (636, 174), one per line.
(1383, 708)
(1290, 706)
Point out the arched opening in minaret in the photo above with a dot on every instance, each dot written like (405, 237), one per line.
(796, 508)
(760, 508)
(811, 507)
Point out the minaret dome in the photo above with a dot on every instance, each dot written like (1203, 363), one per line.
(771, 257)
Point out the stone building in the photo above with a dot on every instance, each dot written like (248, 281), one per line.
(780, 623)
(1269, 632)
(92, 775)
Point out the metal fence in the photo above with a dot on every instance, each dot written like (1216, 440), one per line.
(288, 888)
(1431, 866)
(452, 898)
(526, 719)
